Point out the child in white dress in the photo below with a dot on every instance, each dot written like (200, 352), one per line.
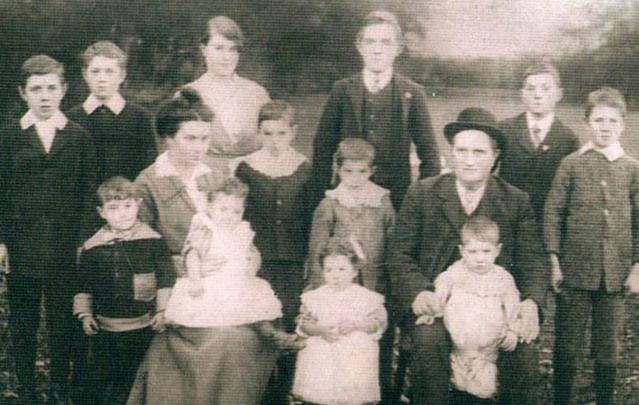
(479, 303)
(221, 287)
(343, 322)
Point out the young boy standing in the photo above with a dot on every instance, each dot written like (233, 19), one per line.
(121, 130)
(47, 184)
(125, 279)
(536, 141)
(590, 230)
(381, 106)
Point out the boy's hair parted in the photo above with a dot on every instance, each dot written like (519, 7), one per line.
(543, 67)
(106, 49)
(276, 110)
(117, 188)
(354, 149)
(231, 186)
(480, 228)
(186, 106)
(225, 27)
(605, 97)
(41, 65)
(341, 246)
(381, 17)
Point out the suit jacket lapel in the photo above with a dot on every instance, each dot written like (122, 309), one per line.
(355, 91)
(523, 134)
(451, 204)
(491, 204)
(405, 97)
(62, 136)
(31, 138)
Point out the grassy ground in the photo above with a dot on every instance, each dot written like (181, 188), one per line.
(444, 108)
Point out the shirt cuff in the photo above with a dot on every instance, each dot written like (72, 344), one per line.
(82, 304)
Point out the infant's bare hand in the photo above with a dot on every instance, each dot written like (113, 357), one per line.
(331, 334)
(509, 341)
(346, 327)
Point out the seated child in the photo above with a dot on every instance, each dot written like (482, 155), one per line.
(344, 322)
(125, 277)
(479, 303)
(221, 287)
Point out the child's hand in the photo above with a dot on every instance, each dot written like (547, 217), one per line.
(557, 278)
(158, 324)
(632, 282)
(425, 303)
(196, 289)
(509, 341)
(90, 325)
(347, 327)
(330, 334)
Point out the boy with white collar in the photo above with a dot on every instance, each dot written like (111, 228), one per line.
(381, 106)
(47, 184)
(591, 235)
(121, 130)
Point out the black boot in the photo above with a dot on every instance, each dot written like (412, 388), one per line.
(605, 377)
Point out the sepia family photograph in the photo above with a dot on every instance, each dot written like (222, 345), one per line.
(319, 202)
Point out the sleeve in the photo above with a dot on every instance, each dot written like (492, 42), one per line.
(148, 212)
(327, 138)
(321, 229)
(510, 300)
(443, 287)
(305, 315)
(556, 208)
(423, 136)
(407, 280)
(165, 274)
(388, 216)
(88, 190)
(530, 259)
(148, 146)
(83, 298)
(379, 316)
(5, 175)
(634, 200)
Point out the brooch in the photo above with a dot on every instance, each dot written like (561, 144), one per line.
(545, 147)
(408, 95)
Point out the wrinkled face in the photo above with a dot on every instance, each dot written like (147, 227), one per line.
(188, 147)
(606, 125)
(353, 174)
(338, 271)
(276, 135)
(479, 256)
(104, 77)
(221, 56)
(379, 46)
(121, 215)
(43, 94)
(473, 156)
(226, 210)
(541, 94)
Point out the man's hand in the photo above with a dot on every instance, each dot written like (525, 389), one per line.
(509, 341)
(529, 315)
(426, 303)
(4, 259)
(632, 282)
(158, 323)
(90, 325)
(557, 278)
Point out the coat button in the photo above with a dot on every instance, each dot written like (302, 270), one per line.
(604, 183)
(606, 212)
(279, 202)
(278, 222)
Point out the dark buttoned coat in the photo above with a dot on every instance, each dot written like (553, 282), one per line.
(426, 238)
(342, 118)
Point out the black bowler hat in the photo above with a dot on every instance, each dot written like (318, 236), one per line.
(479, 119)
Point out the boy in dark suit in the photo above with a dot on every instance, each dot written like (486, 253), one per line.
(121, 130)
(47, 184)
(381, 106)
(536, 141)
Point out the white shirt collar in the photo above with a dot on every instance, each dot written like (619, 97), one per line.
(370, 195)
(469, 198)
(384, 78)
(57, 120)
(115, 104)
(543, 124)
(165, 168)
(611, 152)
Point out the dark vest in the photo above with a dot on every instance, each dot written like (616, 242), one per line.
(381, 119)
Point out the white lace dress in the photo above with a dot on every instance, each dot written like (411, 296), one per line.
(478, 310)
(233, 294)
(345, 371)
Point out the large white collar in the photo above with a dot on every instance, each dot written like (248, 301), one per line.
(611, 152)
(281, 166)
(57, 120)
(165, 168)
(115, 104)
(370, 195)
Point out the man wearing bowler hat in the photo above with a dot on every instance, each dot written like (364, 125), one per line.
(425, 242)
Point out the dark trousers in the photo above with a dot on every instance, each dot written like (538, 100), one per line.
(574, 307)
(287, 280)
(113, 363)
(25, 295)
(386, 347)
(430, 369)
